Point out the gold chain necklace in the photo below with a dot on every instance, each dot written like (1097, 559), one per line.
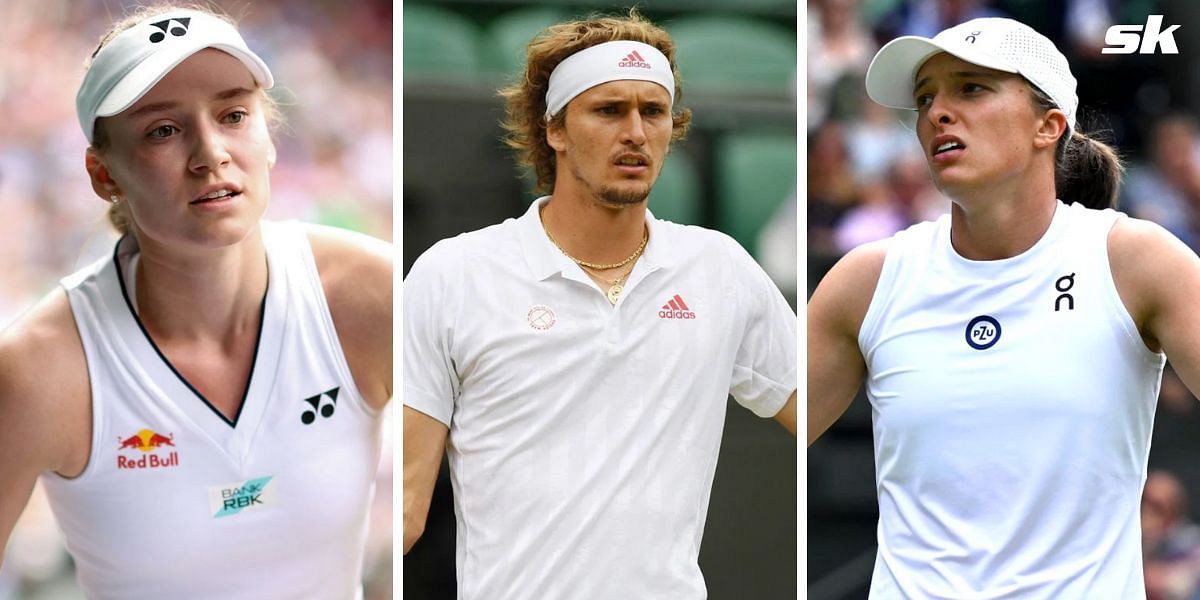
(614, 291)
(615, 286)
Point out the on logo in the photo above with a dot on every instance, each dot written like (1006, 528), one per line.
(1064, 285)
(971, 36)
(180, 28)
(1124, 39)
(983, 332)
(326, 411)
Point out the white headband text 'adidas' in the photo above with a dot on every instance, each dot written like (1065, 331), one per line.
(136, 59)
(602, 63)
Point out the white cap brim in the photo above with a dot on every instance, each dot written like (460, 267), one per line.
(892, 74)
(135, 60)
(146, 75)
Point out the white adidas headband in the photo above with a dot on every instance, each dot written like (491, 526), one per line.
(138, 58)
(602, 63)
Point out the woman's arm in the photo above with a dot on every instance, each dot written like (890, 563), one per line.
(835, 315)
(356, 273)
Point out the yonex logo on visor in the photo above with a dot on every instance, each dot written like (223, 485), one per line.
(165, 26)
(602, 63)
(133, 61)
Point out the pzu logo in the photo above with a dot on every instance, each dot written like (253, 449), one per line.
(179, 30)
(983, 332)
(1124, 39)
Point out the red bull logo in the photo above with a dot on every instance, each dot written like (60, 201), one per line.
(147, 442)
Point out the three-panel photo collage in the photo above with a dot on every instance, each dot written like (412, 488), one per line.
(586, 214)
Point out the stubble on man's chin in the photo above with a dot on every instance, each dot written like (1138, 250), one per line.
(619, 198)
(613, 196)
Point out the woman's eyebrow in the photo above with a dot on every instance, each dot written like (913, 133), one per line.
(233, 93)
(959, 75)
(169, 104)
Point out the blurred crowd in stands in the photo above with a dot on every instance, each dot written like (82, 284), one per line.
(868, 179)
(1170, 540)
(332, 63)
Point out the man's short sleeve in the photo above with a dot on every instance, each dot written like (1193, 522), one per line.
(764, 371)
(430, 303)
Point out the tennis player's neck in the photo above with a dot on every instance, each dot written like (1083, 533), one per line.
(592, 231)
(999, 230)
(215, 298)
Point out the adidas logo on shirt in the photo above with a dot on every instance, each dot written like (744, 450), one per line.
(634, 60)
(676, 308)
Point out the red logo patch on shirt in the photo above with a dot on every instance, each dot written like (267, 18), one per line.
(147, 442)
(676, 308)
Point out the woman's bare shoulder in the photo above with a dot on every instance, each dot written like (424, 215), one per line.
(356, 275)
(44, 385)
(845, 292)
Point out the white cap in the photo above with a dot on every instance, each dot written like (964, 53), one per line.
(602, 63)
(1000, 44)
(138, 58)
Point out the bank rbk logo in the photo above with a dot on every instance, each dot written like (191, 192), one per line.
(1125, 39)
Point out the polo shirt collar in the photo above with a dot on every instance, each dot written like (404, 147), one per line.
(545, 259)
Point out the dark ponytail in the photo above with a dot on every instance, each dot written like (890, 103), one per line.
(1086, 170)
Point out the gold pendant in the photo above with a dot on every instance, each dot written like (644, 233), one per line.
(614, 293)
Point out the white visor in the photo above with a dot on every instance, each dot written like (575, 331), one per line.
(131, 63)
(602, 63)
(1001, 44)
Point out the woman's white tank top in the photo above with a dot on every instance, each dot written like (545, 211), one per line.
(1013, 402)
(177, 501)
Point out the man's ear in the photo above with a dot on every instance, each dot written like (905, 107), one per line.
(102, 182)
(1052, 126)
(556, 135)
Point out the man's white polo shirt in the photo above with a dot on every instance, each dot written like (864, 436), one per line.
(584, 436)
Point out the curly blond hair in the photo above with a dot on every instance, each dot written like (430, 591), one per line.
(525, 108)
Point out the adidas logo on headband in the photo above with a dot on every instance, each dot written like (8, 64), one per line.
(594, 65)
(634, 60)
(179, 31)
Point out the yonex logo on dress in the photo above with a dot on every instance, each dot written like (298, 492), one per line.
(676, 308)
(634, 60)
(308, 416)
